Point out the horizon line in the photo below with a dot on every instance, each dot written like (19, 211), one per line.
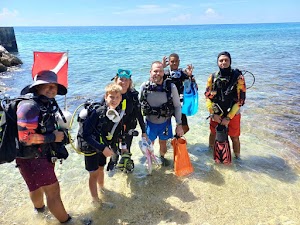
(149, 25)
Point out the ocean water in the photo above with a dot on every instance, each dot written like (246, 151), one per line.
(270, 136)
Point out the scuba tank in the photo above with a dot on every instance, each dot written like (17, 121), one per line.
(81, 117)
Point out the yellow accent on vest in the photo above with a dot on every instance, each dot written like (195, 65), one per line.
(100, 140)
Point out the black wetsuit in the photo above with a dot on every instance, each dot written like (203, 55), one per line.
(132, 115)
(98, 125)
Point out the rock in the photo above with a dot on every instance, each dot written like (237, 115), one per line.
(16, 61)
(2, 49)
(2, 68)
(7, 59)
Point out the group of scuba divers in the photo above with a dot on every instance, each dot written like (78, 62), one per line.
(107, 127)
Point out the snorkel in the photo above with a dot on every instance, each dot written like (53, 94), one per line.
(111, 133)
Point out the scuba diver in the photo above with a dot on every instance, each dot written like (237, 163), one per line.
(180, 78)
(159, 102)
(225, 93)
(40, 139)
(101, 130)
(130, 118)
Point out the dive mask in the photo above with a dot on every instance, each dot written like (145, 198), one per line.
(113, 115)
(124, 73)
(175, 74)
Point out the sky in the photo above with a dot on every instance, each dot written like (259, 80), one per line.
(139, 13)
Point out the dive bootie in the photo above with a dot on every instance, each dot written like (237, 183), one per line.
(126, 163)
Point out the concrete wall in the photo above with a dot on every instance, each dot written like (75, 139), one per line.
(8, 39)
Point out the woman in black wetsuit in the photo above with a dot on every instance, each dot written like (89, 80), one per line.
(132, 112)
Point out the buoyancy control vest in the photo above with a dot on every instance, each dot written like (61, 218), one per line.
(50, 114)
(167, 109)
(101, 130)
(10, 144)
(133, 107)
(225, 89)
(177, 77)
(100, 109)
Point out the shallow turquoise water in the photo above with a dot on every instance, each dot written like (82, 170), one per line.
(270, 117)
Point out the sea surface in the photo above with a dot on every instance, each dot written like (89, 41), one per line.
(270, 130)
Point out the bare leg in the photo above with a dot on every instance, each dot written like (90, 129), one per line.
(163, 151)
(236, 145)
(212, 138)
(93, 180)
(162, 147)
(101, 177)
(54, 202)
(37, 198)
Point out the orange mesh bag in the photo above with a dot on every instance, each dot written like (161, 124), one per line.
(182, 162)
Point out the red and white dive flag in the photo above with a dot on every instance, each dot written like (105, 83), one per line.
(54, 61)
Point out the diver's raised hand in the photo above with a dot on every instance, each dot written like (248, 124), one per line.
(165, 61)
(189, 70)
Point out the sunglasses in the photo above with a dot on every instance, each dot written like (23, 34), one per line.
(124, 73)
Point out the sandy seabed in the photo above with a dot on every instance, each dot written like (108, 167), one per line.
(261, 189)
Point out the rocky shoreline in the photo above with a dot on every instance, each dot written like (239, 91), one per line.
(7, 60)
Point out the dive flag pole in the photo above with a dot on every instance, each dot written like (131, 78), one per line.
(66, 58)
